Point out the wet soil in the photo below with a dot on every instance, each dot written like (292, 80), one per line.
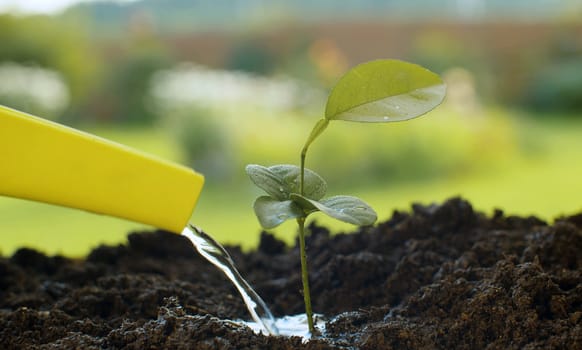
(438, 277)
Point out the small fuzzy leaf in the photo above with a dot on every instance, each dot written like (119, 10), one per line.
(268, 181)
(344, 208)
(314, 186)
(385, 91)
(271, 212)
(304, 203)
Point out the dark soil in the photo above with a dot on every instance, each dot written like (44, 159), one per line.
(441, 277)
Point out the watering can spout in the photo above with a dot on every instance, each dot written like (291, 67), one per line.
(47, 162)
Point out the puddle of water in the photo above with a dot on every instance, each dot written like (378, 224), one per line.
(295, 325)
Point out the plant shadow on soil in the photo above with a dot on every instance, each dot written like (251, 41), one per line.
(442, 276)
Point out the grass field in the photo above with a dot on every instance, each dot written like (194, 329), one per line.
(543, 179)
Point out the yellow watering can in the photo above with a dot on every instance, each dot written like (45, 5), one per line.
(48, 162)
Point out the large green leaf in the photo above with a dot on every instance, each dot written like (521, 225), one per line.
(344, 208)
(385, 91)
(271, 212)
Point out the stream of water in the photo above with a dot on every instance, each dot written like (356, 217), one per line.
(219, 257)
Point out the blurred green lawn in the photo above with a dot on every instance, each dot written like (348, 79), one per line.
(546, 185)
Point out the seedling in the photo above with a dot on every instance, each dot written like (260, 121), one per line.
(374, 92)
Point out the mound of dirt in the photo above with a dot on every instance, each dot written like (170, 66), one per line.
(439, 277)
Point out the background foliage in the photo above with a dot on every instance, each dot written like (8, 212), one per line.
(217, 86)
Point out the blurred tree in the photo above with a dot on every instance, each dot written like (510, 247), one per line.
(205, 141)
(108, 80)
(439, 52)
(121, 94)
(58, 45)
(557, 83)
(251, 56)
(557, 87)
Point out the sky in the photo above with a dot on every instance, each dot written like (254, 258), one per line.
(38, 6)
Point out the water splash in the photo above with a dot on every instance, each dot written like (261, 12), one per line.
(295, 325)
(219, 257)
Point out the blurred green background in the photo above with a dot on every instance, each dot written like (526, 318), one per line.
(217, 85)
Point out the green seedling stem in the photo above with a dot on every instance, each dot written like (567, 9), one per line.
(317, 130)
(305, 275)
(319, 127)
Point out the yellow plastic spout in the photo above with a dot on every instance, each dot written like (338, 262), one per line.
(47, 162)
